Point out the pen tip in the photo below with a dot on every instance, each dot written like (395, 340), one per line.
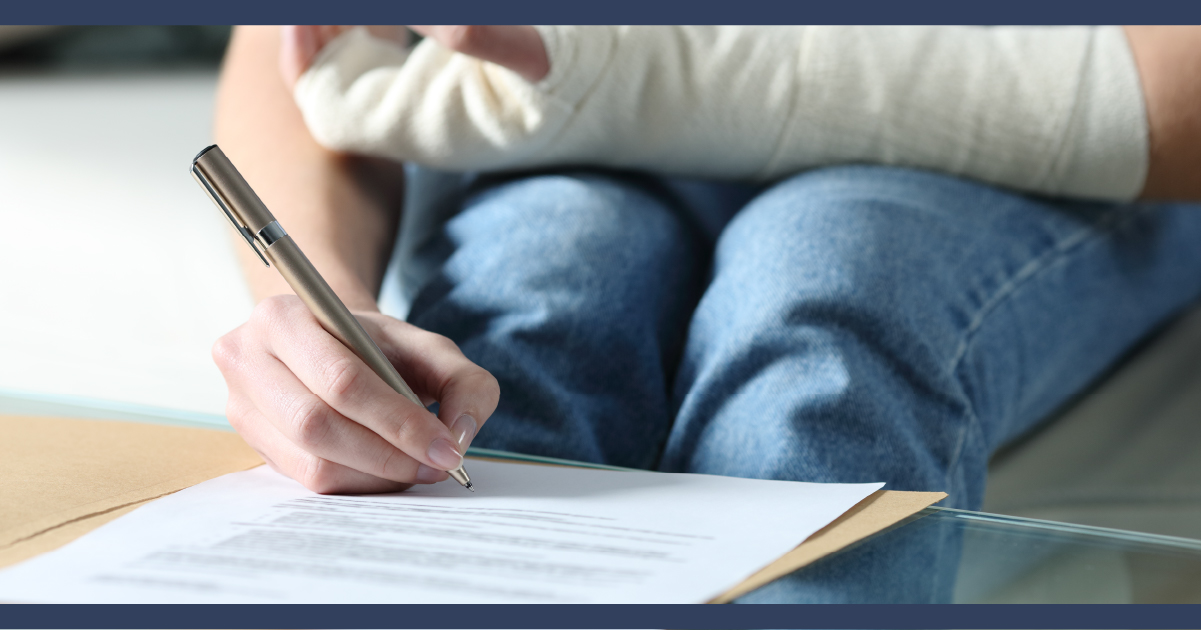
(470, 487)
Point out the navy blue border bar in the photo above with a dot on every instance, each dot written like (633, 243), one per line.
(607, 11)
(603, 616)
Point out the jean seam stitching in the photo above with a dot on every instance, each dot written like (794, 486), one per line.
(1029, 271)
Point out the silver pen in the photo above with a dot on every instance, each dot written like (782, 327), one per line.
(229, 190)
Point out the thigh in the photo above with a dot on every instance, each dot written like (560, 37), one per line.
(574, 290)
(879, 324)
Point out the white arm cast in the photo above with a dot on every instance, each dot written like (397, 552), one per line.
(1056, 110)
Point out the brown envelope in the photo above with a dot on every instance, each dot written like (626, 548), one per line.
(880, 510)
(61, 478)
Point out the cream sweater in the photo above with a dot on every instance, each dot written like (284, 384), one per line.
(1054, 110)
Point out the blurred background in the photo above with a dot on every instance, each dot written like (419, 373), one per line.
(120, 48)
(118, 274)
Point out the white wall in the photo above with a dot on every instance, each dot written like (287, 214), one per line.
(116, 273)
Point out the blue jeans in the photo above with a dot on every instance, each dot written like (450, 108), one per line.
(848, 324)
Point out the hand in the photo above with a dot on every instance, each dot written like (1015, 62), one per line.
(518, 48)
(318, 414)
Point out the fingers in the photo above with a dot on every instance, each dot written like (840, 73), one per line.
(315, 473)
(317, 413)
(314, 428)
(518, 48)
(341, 383)
(300, 44)
(435, 367)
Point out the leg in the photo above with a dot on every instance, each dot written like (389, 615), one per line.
(875, 324)
(574, 290)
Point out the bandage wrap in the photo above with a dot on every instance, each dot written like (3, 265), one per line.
(1057, 111)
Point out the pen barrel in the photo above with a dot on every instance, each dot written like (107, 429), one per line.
(333, 315)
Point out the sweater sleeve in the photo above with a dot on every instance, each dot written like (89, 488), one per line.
(1051, 110)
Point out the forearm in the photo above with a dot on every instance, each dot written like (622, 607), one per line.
(1169, 64)
(1054, 111)
(342, 211)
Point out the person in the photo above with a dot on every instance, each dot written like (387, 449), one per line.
(844, 323)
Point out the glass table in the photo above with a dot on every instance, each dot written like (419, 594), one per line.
(939, 555)
(943, 555)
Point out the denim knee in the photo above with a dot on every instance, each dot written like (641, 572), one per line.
(574, 290)
(819, 350)
(602, 232)
(862, 249)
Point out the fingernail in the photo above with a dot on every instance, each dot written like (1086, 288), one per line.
(425, 474)
(464, 429)
(444, 455)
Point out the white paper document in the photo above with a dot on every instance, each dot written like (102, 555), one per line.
(529, 534)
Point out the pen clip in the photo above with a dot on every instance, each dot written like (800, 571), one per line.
(242, 229)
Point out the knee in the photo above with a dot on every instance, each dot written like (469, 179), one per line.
(568, 247)
(860, 260)
(850, 207)
(856, 233)
(591, 223)
(835, 291)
